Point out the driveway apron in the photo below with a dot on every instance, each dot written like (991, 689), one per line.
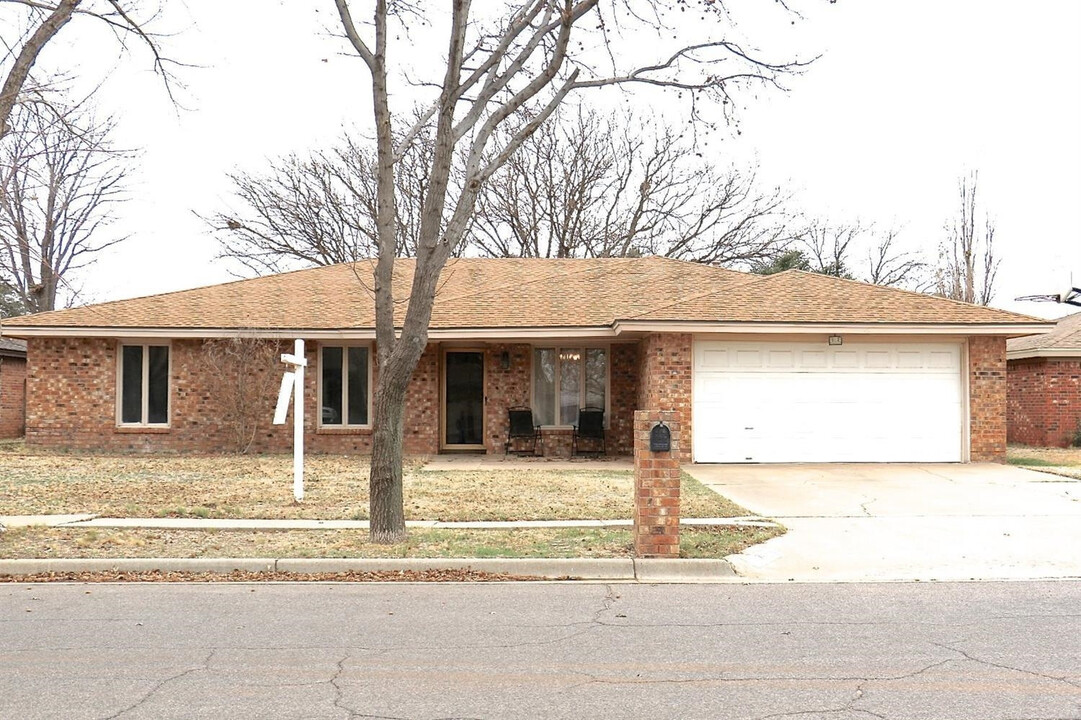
(905, 522)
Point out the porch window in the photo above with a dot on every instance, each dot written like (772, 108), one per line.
(144, 385)
(344, 376)
(566, 379)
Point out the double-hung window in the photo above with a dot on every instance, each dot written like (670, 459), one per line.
(566, 379)
(343, 383)
(144, 385)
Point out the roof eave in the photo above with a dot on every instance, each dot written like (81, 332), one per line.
(1043, 353)
(1004, 329)
(620, 327)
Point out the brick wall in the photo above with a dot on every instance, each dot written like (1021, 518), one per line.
(987, 398)
(12, 397)
(665, 361)
(504, 389)
(1043, 401)
(623, 373)
(71, 403)
(656, 488)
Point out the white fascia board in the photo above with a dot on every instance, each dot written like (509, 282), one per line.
(1018, 330)
(619, 328)
(1043, 353)
(503, 334)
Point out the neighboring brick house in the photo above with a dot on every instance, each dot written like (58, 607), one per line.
(781, 368)
(1044, 381)
(12, 388)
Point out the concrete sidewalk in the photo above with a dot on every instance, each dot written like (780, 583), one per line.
(90, 521)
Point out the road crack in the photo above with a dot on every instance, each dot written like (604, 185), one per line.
(172, 678)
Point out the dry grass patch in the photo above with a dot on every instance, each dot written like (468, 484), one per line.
(1057, 461)
(37, 542)
(336, 488)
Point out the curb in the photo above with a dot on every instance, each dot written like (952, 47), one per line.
(651, 570)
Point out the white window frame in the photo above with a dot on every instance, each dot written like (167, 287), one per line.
(145, 410)
(557, 347)
(345, 386)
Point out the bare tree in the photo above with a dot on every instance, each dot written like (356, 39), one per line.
(891, 266)
(28, 26)
(967, 264)
(240, 376)
(318, 210)
(60, 177)
(593, 186)
(853, 251)
(506, 71)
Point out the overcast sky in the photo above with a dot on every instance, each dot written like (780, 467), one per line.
(907, 97)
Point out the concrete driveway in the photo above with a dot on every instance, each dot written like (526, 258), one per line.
(906, 522)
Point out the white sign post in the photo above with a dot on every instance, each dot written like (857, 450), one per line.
(293, 384)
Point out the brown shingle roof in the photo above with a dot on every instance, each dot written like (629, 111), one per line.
(1065, 337)
(526, 293)
(805, 297)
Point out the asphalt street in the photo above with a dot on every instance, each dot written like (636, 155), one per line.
(551, 650)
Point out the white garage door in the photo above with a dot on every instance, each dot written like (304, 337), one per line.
(804, 402)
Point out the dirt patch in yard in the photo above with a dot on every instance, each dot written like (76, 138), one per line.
(336, 488)
(38, 542)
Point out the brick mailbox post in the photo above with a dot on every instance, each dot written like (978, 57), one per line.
(656, 487)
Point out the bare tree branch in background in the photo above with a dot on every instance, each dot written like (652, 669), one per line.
(60, 177)
(507, 69)
(851, 251)
(318, 210)
(28, 26)
(967, 264)
(888, 265)
(593, 186)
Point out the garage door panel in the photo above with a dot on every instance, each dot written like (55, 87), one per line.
(791, 402)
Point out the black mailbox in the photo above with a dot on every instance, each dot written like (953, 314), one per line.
(660, 438)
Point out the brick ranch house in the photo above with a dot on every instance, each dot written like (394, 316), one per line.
(781, 368)
(12, 388)
(1044, 397)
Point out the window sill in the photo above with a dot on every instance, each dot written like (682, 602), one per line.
(143, 429)
(344, 430)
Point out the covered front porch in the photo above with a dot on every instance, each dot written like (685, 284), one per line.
(555, 380)
(480, 385)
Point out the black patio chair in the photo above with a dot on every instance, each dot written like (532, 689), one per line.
(590, 428)
(523, 430)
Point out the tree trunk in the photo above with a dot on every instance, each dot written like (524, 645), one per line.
(385, 479)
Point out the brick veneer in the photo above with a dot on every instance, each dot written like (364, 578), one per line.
(987, 398)
(71, 403)
(12, 397)
(71, 399)
(665, 362)
(1043, 401)
(656, 488)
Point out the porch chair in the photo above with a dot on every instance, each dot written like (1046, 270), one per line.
(523, 430)
(590, 427)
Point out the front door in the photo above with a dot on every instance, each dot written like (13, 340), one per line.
(463, 400)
